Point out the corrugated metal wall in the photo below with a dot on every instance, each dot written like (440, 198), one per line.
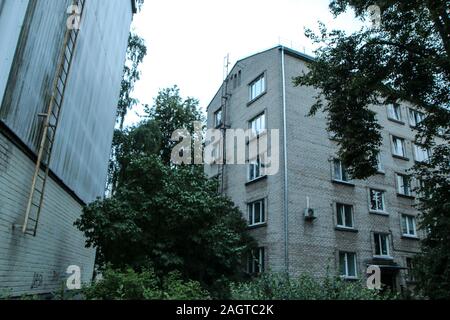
(12, 14)
(84, 135)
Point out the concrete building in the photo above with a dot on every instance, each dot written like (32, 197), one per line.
(31, 45)
(353, 223)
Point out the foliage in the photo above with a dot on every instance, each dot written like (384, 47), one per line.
(170, 217)
(275, 286)
(128, 144)
(145, 285)
(5, 294)
(432, 266)
(172, 112)
(404, 60)
(407, 59)
(136, 52)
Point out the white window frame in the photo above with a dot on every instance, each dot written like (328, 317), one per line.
(251, 206)
(216, 123)
(340, 212)
(346, 274)
(257, 87)
(395, 112)
(380, 167)
(257, 125)
(339, 170)
(415, 117)
(259, 166)
(400, 180)
(256, 261)
(387, 243)
(419, 153)
(410, 268)
(405, 224)
(383, 201)
(395, 146)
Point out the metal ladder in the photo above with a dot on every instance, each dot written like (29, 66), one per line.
(51, 120)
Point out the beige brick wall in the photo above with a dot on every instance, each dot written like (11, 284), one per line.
(313, 246)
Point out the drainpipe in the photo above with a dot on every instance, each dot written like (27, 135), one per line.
(286, 222)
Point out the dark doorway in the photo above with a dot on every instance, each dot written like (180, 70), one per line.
(389, 279)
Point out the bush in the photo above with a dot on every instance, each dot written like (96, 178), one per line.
(145, 285)
(282, 287)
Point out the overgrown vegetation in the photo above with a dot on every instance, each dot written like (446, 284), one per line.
(281, 287)
(144, 285)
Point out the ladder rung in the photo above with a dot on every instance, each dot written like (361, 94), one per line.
(73, 36)
(42, 177)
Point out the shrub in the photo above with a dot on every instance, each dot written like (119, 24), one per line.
(145, 285)
(282, 287)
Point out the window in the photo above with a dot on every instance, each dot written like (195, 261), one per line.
(377, 201)
(381, 244)
(258, 124)
(255, 262)
(409, 226)
(379, 163)
(347, 264)
(235, 80)
(403, 185)
(344, 215)
(256, 213)
(410, 269)
(218, 118)
(398, 147)
(257, 87)
(340, 172)
(421, 154)
(415, 117)
(394, 112)
(255, 169)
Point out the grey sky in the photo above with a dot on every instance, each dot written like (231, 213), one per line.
(188, 40)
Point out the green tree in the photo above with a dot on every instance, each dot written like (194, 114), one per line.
(405, 59)
(136, 52)
(128, 144)
(169, 217)
(172, 112)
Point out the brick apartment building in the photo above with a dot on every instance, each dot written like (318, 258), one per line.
(354, 223)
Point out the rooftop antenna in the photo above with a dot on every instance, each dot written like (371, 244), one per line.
(224, 102)
(226, 65)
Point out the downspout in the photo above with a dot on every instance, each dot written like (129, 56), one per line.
(286, 211)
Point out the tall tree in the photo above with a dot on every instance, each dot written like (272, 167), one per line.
(404, 59)
(172, 112)
(136, 52)
(168, 217)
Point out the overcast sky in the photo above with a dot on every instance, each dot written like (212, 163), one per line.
(187, 40)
